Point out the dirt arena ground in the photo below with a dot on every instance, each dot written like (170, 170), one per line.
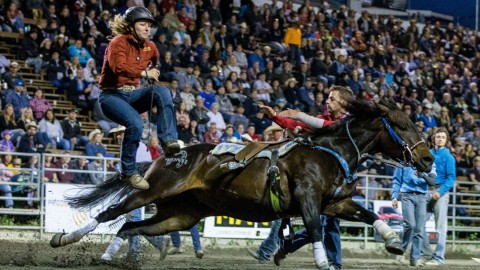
(86, 256)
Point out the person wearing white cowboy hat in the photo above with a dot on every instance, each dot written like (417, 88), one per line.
(33, 141)
(95, 145)
(273, 133)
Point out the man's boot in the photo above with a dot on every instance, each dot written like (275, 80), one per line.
(135, 181)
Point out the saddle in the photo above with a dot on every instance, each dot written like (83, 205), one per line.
(253, 149)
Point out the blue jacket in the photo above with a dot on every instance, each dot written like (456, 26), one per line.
(446, 175)
(407, 180)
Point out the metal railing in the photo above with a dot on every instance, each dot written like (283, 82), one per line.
(455, 224)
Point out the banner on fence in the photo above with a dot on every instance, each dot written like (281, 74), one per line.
(227, 227)
(59, 216)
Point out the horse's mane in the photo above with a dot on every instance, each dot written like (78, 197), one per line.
(358, 108)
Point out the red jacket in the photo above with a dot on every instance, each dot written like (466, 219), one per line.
(125, 60)
(290, 123)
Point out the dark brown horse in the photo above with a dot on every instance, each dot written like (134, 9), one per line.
(193, 185)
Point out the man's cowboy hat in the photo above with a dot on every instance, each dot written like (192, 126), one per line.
(287, 82)
(92, 134)
(274, 127)
(31, 124)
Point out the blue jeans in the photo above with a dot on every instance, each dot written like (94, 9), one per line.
(331, 240)
(294, 55)
(269, 245)
(125, 108)
(440, 212)
(414, 207)
(177, 242)
(6, 189)
(62, 143)
(134, 241)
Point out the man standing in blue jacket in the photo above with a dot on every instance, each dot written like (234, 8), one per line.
(446, 177)
(412, 187)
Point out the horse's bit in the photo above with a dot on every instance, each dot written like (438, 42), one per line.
(407, 150)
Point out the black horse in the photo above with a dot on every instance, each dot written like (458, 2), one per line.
(194, 185)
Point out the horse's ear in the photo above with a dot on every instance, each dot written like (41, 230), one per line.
(383, 109)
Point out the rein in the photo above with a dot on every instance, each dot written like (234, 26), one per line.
(407, 149)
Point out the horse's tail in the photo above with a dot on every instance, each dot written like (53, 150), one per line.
(112, 189)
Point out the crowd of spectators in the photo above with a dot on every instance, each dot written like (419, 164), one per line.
(222, 59)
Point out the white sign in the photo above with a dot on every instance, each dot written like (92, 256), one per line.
(59, 216)
(429, 225)
(227, 227)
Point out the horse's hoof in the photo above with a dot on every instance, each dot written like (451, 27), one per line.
(394, 246)
(322, 265)
(56, 240)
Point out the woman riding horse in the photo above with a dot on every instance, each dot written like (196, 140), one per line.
(314, 178)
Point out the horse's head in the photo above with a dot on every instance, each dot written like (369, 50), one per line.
(400, 138)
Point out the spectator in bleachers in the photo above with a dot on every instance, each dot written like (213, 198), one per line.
(39, 104)
(241, 57)
(4, 64)
(81, 178)
(103, 25)
(5, 176)
(30, 51)
(7, 121)
(183, 129)
(216, 117)
(79, 26)
(60, 44)
(72, 130)
(27, 117)
(263, 88)
(52, 127)
(56, 71)
(6, 144)
(65, 164)
(79, 91)
(77, 50)
(472, 98)
(13, 19)
(90, 71)
(175, 93)
(95, 145)
(50, 176)
(11, 76)
(188, 77)
(428, 118)
(213, 134)
(474, 174)
(181, 110)
(33, 141)
(18, 97)
(96, 168)
(167, 67)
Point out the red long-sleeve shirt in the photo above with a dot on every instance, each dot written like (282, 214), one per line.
(290, 123)
(125, 60)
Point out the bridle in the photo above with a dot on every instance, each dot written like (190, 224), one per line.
(407, 150)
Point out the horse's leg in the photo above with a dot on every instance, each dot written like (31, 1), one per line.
(350, 210)
(134, 201)
(177, 215)
(310, 209)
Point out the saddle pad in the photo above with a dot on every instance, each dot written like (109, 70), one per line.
(233, 148)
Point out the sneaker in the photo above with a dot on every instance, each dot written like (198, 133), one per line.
(163, 248)
(279, 257)
(135, 181)
(175, 250)
(199, 253)
(433, 263)
(416, 263)
(171, 148)
(255, 255)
